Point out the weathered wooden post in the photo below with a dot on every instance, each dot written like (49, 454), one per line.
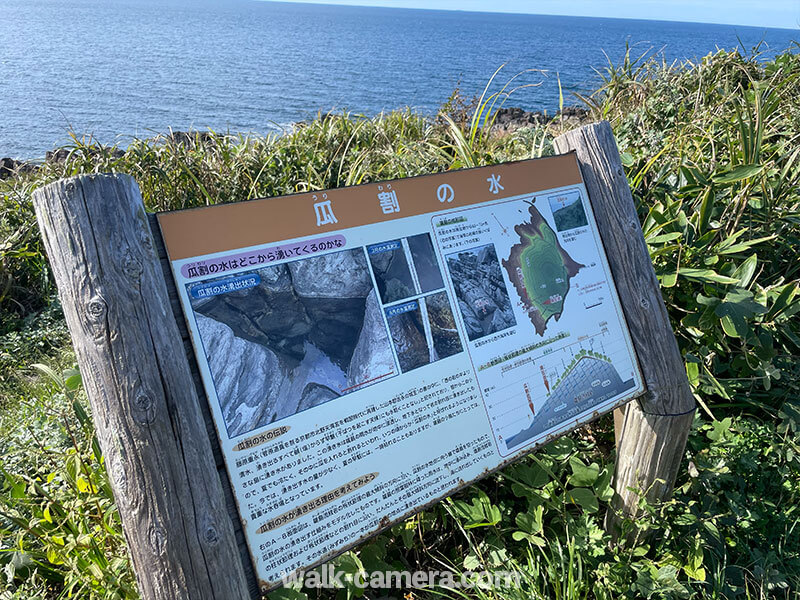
(655, 427)
(143, 399)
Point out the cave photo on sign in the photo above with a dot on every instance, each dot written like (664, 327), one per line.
(295, 336)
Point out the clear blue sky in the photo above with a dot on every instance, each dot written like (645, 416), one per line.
(758, 13)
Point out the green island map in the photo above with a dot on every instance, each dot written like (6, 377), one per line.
(540, 270)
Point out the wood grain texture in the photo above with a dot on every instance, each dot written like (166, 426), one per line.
(649, 453)
(653, 434)
(146, 412)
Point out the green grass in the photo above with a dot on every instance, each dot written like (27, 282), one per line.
(711, 151)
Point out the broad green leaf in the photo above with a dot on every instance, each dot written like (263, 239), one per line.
(582, 475)
(783, 300)
(664, 237)
(530, 537)
(693, 372)
(560, 449)
(719, 429)
(738, 173)
(497, 557)
(707, 300)
(584, 498)
(471, 562)
(706, 276)
(602, 486)
(669, 280)
(53, 557)
(745, 271)
(731, 245)
(72, 379)
(531, 522)
(736, 309)
(713, 531)
(479, 513)
(532, 475)
(706, 208)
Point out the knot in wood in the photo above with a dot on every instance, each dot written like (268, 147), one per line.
(644, 303)
(620, 172)
(144, 412)
(146, 241)
(210, 534)
(96, 309)
(131, 265)
(70, 187)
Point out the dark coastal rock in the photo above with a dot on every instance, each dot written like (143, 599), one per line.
(61, 155)
(190, 138)
(509, 120)
(10, 167)
(57, 156)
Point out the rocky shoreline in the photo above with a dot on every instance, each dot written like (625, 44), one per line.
(507, 121)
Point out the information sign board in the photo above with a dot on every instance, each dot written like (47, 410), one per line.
(368, 350)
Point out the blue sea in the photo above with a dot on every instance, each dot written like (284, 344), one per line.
(119, 69)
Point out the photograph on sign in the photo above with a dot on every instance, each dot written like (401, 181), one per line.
(366, 351)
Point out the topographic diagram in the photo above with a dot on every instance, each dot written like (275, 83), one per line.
(590, 379)
(540, 270)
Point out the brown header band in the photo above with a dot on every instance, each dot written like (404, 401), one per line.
(219, 228)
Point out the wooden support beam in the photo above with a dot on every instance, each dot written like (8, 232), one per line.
(655, 427)
(135, 372)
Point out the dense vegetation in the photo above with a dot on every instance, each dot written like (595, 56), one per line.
(711, 152)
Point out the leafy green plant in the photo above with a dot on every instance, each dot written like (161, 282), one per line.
(58, 522)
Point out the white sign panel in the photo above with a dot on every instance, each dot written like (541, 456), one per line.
(372, 365)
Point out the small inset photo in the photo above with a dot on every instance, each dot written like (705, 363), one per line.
(481, 291)
(391, 270)
(444, 334)
(425, 263)
(408, 335)
(423, 331)
(568, 210)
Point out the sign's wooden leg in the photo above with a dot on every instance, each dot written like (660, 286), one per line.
(143, 400)
(652, 438)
